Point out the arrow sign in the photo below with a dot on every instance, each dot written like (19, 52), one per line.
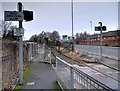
(13, 16)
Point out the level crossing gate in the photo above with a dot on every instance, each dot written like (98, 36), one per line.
(45, 54)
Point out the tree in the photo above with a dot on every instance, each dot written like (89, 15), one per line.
(34, 38)
(10, 34)
(51, 37)
(54, 36)
(5, 27)
(81, 36)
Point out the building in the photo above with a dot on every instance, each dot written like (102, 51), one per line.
(111, 38)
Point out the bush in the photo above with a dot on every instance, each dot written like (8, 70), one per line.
(117, 46)
(106, 44)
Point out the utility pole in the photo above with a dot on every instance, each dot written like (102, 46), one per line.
(20, 48)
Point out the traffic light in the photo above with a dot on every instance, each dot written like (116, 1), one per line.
(28, 15)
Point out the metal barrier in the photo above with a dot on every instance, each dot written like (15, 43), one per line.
(110, 52)
(32, 50)
(45, 54)
(73, 78)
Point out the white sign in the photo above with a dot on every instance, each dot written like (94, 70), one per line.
(13, 16)
(19, 32)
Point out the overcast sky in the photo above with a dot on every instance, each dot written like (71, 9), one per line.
(50, 16)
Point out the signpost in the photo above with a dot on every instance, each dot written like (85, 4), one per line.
(13, 16)
(19, 16)
(100, 28)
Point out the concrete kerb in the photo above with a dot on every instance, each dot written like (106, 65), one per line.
(75, 53)
(98, 62)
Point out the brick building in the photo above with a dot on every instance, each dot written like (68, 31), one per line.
(111, 38)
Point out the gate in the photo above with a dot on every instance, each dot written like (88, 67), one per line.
(45, 54)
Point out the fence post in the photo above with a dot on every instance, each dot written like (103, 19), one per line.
(71, 78)
(30, 52)
(56, 65)
(50, 57)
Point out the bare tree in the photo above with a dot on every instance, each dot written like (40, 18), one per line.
(5, 27)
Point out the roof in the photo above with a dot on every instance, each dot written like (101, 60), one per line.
(106, 34)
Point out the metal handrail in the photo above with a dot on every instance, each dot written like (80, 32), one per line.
(93, 80)
(76, 70)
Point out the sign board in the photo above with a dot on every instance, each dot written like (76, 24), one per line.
(64, 36)
(104, 28)
(99, 28)
(13, 16)
(19, 32)
(69, 37)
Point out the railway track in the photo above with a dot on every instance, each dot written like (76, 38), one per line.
(83, 63)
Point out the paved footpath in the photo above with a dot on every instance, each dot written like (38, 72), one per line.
(43, 76)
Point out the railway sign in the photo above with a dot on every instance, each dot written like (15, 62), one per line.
(19, 32)
(13, 16)
(99, 28)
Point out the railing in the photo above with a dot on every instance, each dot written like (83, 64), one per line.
(71, 77)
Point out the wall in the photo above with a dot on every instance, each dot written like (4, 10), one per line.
(105, 41)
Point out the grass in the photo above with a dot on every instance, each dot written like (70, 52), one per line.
(25, 73)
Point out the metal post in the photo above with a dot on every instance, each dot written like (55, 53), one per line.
(30, 52)
(91, 36)
(72, 78)
(100, 44)
(57, 67)
(72, 25)
(100, 40)
(50, 57)
(20, 48)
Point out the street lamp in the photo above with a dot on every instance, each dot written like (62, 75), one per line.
(91, 31)
(72, 25)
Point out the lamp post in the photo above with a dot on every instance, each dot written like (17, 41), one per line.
(91, 31)
(91, 37)
(72, 25)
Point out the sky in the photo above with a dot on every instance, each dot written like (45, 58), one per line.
(50, 16)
